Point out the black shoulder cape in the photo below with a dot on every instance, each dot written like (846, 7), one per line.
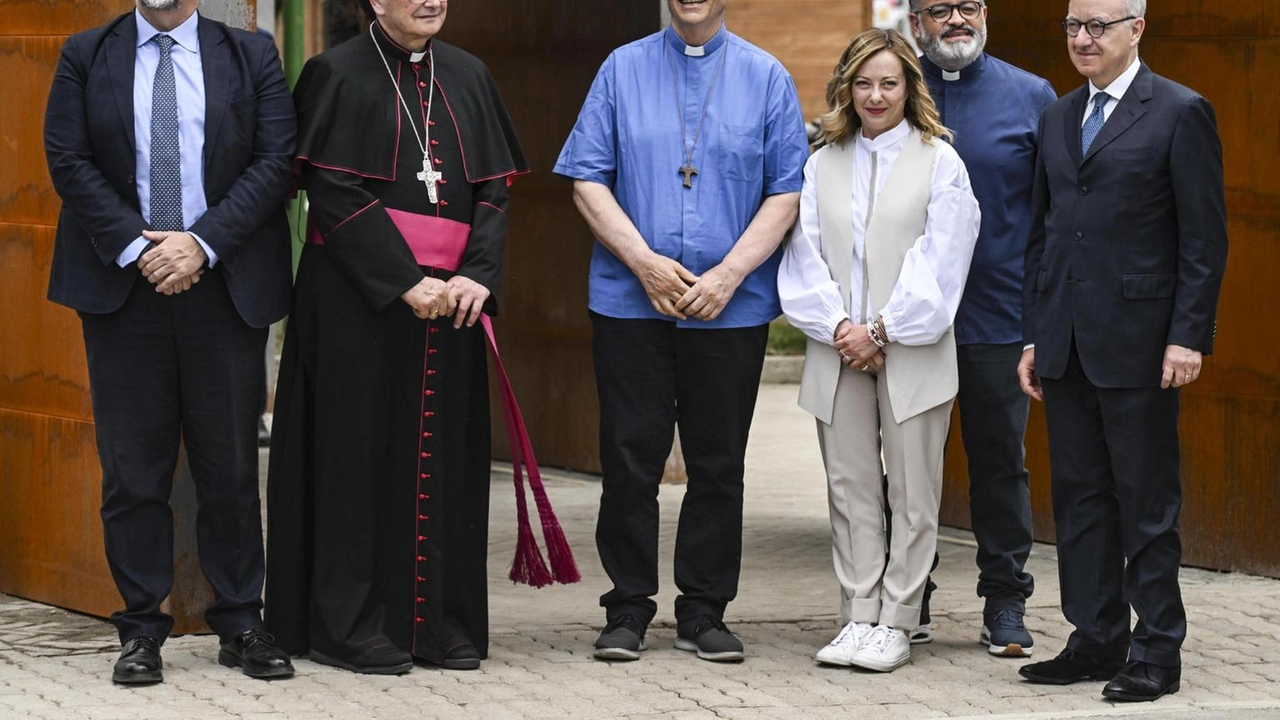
(348, 111)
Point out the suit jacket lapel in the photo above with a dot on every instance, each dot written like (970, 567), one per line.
(1126, 113)
(215, 62)
(122, 53)
(1075, 118)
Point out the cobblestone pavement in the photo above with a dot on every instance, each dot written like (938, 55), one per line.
(55, 664)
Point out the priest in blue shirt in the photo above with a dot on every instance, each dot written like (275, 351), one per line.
(687, 161)
(994, 109)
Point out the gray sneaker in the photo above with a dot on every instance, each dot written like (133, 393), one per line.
(622, 639)
(710, 638)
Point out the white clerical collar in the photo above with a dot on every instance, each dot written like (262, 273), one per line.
(950, 76)
(417, 57)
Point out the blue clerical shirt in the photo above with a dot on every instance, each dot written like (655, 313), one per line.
(994, 109)
(752, 145)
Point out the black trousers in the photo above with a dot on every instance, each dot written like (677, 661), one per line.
(650, 377)
(165, 368)
(993, 421)
(1113, 453)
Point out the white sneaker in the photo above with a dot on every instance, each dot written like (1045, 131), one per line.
(840, 651)
(922, 634)
(884, 649)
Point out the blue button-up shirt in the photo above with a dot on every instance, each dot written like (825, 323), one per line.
(188, 76)
(994, 109)
(752, 145)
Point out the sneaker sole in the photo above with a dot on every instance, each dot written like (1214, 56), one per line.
(226, 659)
(619, 654)
(921, 638)
(400, 669)
(729, 656)
(1013, 650)
(837, 662)
(1126, 697)
(878, 666)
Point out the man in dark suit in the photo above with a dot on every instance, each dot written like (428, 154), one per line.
(170, 139)
(1123, 269)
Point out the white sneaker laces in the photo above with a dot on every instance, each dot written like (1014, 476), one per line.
(846, 635)
(880, 638)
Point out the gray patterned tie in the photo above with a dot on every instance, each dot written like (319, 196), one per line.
(1093, 125)
(166, 159)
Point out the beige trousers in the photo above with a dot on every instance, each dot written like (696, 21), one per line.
(872, 589)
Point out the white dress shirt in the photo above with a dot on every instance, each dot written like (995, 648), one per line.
(1116, 90)
(925, 299)
(188, 76)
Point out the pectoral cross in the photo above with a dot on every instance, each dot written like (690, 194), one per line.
(688, 170)
(430, 178)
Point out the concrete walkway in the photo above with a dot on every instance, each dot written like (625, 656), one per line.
(56, 665)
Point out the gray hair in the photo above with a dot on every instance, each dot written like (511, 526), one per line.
(1136, 8)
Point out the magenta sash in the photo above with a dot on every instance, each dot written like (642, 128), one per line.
(437, 242)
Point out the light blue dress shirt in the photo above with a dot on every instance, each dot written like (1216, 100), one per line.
(188, 75)
(752, 145)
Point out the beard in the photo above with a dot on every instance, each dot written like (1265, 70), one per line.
(160, 5)
(953, 56)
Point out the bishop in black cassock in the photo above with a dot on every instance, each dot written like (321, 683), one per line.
(378, 488)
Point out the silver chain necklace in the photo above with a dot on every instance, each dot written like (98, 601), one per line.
(428, 176)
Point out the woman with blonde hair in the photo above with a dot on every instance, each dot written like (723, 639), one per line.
(873, 276)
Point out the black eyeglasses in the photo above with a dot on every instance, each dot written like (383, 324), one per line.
(942, 11)
(1095, 28)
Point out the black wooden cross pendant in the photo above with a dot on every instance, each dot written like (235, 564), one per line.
(688, 171)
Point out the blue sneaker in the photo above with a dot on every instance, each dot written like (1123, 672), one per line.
(1004, 634)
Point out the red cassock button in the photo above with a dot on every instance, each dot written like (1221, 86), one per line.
(422, 579)
(424, 455)
(444, 202)
(431, 372)
(423, 497)
(430, 393)
(435, 142)
(422, 83)
(423, 476)
(422, 538)
(439, 161)
(431, 123)
(422, 517)
(421, 600)
(421, 559)
(432, 351)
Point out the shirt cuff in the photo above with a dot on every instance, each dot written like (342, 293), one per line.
(831, 326)
(132, 252)
(213, 256)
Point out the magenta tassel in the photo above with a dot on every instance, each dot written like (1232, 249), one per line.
(528, 568)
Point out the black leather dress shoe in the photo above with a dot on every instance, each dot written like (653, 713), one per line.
(374, 656)
(139, 663)
(1143, 682)
(255, 653)
(463, 656)
(1069, 667)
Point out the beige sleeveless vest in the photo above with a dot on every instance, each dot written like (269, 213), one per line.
(919, 377)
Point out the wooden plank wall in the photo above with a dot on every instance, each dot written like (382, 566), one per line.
(1230, 53)
(50, 532)
(807, 36)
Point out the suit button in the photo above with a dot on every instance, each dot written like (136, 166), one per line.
(1079, 236)
(1084, 190)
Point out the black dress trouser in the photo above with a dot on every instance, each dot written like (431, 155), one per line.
(652, 376)
(164, 369)
(1113, 454)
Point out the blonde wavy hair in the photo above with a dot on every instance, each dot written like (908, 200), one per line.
(841, 122)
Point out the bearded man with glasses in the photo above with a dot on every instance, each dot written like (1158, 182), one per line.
(994, 109)
(1123, 270)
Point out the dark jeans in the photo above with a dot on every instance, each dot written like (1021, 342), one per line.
(993, 421)
(650, 377)
(164, 368)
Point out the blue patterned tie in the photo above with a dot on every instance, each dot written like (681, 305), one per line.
(166, 160)
(1093, 125)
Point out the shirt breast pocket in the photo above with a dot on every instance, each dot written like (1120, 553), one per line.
(740, 152)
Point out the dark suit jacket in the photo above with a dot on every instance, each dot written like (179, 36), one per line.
(250, 132)
(1128, 244)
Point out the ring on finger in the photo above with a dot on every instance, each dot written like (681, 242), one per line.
(865, 368)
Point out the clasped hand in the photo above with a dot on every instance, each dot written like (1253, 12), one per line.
(460, 297)
(173, 263)
(676, 292)
(856, 348)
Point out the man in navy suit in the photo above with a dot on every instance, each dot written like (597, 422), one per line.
(1123, 270)
(170, 139)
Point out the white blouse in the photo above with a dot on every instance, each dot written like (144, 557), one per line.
(925, 299)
